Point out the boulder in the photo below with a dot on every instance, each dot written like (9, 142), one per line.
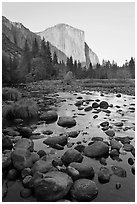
(25, 172)
(26, 181)
(73, 134)
(49, 116)
(52, 141)
(119, 171)
(12, 174)
(85, 169)
(95, 105)
(78, 103)
(115, 144)
(104, 104)
(21, 158)
(130, 161)
(104, 175)
(66, 121)
(52, 187)
(6, 160)
(41, 153)
(96, 150)
(24, 143)
(104, 124)
(110, 133)
(80, 147)
(25, 192)
(6, 143)
(42, 166)
(89, 108)
(71, 155)
(84, 190)
(114, 153)
(128, 147)
(25, 131)
(118, 124)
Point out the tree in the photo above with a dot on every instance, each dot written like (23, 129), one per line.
(132, 67)
(55, 59)
(35, 48)
(90, 71)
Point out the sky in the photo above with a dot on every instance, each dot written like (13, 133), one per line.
(109, 26)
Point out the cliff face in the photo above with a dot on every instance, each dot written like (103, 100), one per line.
(70, 41)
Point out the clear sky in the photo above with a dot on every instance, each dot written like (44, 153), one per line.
(109, 27)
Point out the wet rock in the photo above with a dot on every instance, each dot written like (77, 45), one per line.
(89, 108)
(95, 116)
(114, 153)
(118, 95)
(95, 105)
(71, 155)
(49, 116)
(25, 172)
(133, 151)
(73, 134)
(118, 186)
(6, 160)
(128, 147)
(119, 171)
(104, 104)
(26, 132)
(52, 187)
(73, 172)
(110, 133)
(26, 181)
(57, 162)
(125, 140)
(25, 193)
(34, 156)
(104, 124)
(118, 124)
(85, 169)
(78, 103)
(12, 174)
(96, 150)
(41, 153)
(21, 158)
(6, 143)
(105, 128)
(42, 166)
(97, 139)
(79, 97)
(104, 175)
(47, 132)
(66, 121)
(24, 143)
(84, 190)
(103, 161)
(130, 161)
(80, 147)
(53, 141)
(133, 169)
(115, 144)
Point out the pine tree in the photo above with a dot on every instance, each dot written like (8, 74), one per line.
(35, 48)
(55, 59)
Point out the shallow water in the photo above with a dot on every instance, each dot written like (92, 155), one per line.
(89, 127)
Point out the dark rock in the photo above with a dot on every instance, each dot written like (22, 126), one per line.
(95, 105)
(6, 143)
(80, 108)
(53, 141)
(89, 108)
(24, 143)
(66, 122)
(52, 187)
(57, 162)
(42, 166)
(104, 104)
(110, 133)
(78, 103)
(49, 116)
(133, 169)
(26, 132)
(115, 144)
(103, 161)
(118, 124)
(114, 153)
(128, 147)
(95, 116)
(118, 95)
(106, 111)
(71, 155)
(125, 140)
(35, 157)
(80, 147)
(4, 190)
(96, 150)
(104, 175)
(85, 169)
(73, 172)
(73, 134)
(12, 174)
(97, 139)
(21, 158)
(36, 137)
(133, 151)
(119, 171)
(25, 172)
(26, 181)
(10, 131)
(47, 132)
(25, 192)
(6, 160)
(105, 128)
(118, 186)
(41, 153)
(70, 144)
(130, 161)
(79, 97)
(97, 100)
(84, 190)
(104, 124)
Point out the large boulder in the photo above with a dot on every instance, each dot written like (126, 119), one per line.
(21, 158)
(115, 144)
(119, 171)
(52, 141)
(25, 131)
(84, 190)
(6, 143)
(85, 169)
(96, 150)
(104, 104)
(42, 166)
(71, 155)
(49, 116)
(24, 143)
(66, 121)
(52, 187)
(104, 175)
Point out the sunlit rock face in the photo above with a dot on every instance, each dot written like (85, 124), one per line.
(70, 41)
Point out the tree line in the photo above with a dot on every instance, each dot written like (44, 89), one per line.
(39, 64)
